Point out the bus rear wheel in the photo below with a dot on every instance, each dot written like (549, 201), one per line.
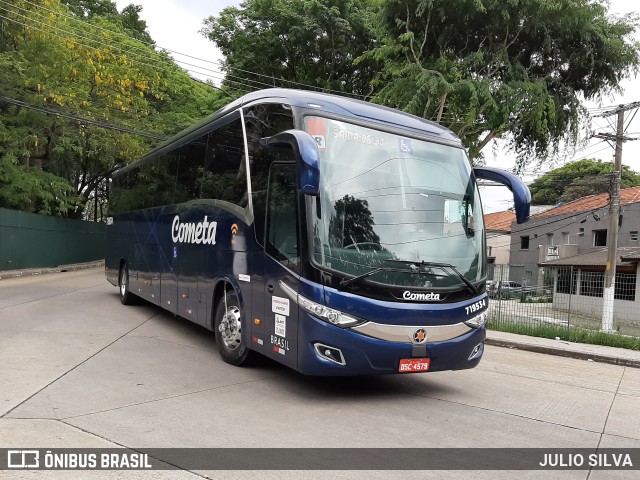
(126, 297)
(228, 330)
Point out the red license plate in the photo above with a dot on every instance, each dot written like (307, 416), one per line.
(408, 365)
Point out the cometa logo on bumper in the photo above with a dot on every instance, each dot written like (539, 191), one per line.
(425, 297)
(200, 233)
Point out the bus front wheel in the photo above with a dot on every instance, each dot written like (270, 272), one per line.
(228, 330)
(126, 297)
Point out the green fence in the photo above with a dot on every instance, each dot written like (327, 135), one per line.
(28, 240)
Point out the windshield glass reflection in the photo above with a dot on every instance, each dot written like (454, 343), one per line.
(397, 204)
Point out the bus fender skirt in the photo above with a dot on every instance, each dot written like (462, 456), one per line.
(218, 292)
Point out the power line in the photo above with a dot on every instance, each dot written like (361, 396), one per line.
(75, 30)
(619, 108)
(569, 221)
(157, 63)
(81, 120)
(154, 45)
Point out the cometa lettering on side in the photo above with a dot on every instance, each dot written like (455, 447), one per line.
(199, 233)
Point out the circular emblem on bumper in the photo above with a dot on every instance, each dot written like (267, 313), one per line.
(420, 335)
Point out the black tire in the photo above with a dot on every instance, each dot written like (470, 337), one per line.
(229, 332)
(126, 297)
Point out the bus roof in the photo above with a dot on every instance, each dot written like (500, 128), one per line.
(322, 103)
(349, 107)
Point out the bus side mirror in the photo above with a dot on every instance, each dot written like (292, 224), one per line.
(308, 158)
(521, 194)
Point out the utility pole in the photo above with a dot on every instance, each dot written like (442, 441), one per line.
(608, 296)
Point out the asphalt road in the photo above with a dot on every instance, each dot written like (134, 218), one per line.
(78, 369)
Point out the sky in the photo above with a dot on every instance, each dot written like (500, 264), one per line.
(174, 25)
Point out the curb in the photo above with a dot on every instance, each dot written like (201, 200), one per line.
(595, 357)
(42, 271)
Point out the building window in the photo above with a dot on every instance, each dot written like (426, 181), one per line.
(489, 248)
(550, 239)
(599, 238)
(524, 242)
(634, 235)
(567, 280)
(565, 238)
(592, 284)
(625, 288)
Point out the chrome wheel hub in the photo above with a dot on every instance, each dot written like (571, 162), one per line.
(123, 284)
(230, 328)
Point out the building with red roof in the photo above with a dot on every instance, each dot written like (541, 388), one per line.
(571, 241)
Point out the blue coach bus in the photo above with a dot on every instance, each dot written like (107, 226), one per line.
(335, 236)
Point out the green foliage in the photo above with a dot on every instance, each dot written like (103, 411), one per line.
(572, 334)
(314, 42)
(493, 68)
(68, 59)
(578, 179)
(32, 188)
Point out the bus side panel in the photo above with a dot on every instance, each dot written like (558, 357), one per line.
(146, 256)
(256, 333)
(200, 260)
(118, 240)
(168, 275)
(281, 314)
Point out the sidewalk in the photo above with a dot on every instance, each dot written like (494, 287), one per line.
(27, 272)
(583, 351)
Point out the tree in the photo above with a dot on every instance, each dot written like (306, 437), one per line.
(91, 68)
(578, 179)
(352, 223)
(90, 8)
(313, 42)
(490, 69)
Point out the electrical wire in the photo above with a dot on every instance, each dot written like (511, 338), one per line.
(156, 62)
(82, 120)
(220, 63)
(569, 219)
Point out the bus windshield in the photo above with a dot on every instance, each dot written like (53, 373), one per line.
(395, 210)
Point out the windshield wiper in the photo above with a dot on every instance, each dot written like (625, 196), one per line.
(348, 281)
(415, 266)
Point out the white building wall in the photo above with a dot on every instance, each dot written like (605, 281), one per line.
(592, 306)
(500, 248)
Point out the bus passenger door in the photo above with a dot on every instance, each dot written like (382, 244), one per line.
(281, 265)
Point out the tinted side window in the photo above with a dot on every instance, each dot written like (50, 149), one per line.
(156, 181)
(225, 176)
(282, 215)
(122, 194)
(191, 169)
(149, 185)
(262, 121)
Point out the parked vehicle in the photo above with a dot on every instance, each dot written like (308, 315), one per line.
(507, 288)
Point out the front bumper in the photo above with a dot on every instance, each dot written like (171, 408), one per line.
(364, 355)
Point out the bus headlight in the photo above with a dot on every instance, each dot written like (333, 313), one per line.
(478, 321)
(327, 314)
